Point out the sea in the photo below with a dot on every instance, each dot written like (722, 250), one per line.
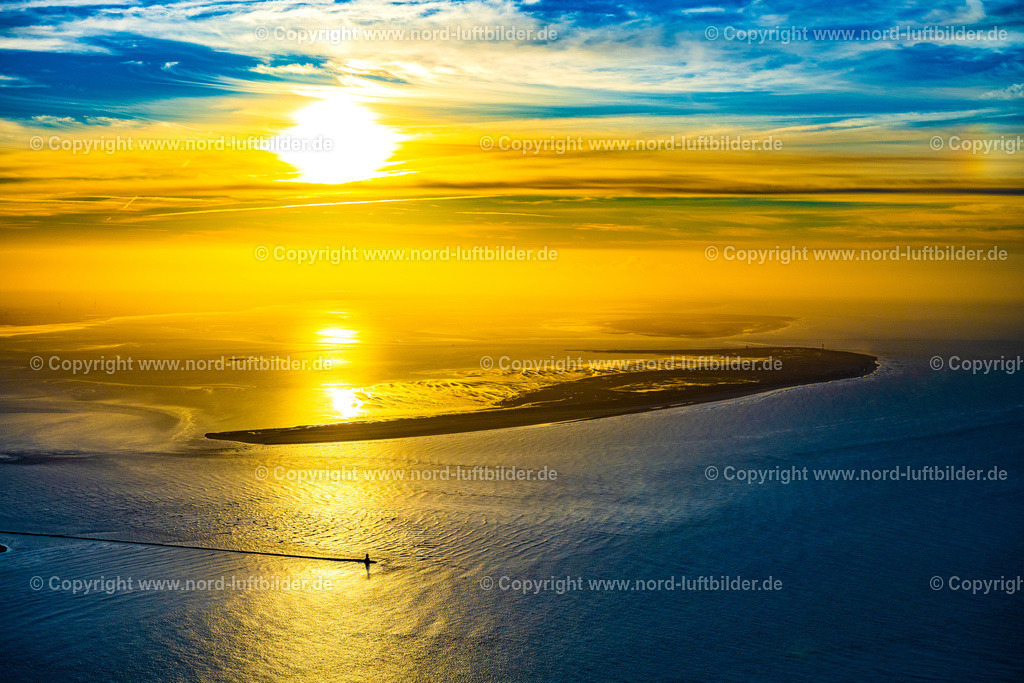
(863, 529)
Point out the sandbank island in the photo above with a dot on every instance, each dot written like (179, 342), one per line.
(694, 378)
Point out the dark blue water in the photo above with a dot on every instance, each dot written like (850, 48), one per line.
(855, 558)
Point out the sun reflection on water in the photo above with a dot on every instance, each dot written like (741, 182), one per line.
(339, 343)
(345, 402)
(331, 337)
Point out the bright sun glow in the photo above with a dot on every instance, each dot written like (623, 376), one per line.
(344, 402)
(359, 146)
(337, 336)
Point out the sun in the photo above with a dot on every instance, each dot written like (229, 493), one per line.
(336, 140)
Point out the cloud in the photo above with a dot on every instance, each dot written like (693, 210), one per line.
(972, 12)
(44, 120)
(648, 65)
(602, 46)
(288, 69)
(702, 10)
(1010, 92)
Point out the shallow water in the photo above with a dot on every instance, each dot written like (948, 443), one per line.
(632, 500)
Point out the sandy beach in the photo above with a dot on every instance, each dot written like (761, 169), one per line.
(746, 371)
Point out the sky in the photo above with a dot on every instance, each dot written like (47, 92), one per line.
(882, 121)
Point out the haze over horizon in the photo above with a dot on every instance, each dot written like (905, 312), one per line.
(149, 152)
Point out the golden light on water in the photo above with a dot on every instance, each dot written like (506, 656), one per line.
(347, 142)
(331, 337)
(344, 402)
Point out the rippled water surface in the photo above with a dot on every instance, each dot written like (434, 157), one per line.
(632, 500)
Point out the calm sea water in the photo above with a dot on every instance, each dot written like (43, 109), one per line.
(852, 561)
